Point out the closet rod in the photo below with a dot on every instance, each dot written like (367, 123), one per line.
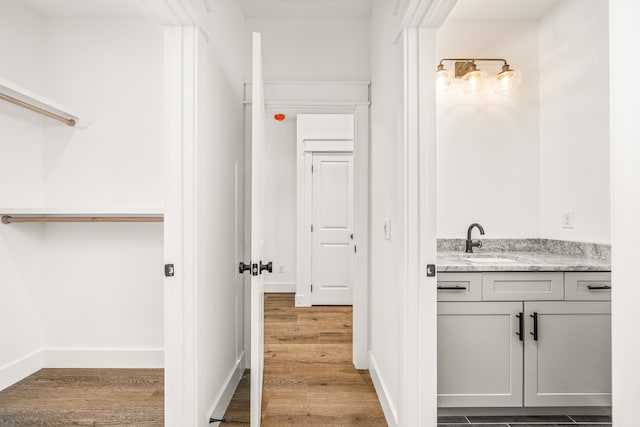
(8, 219)
(68, 122)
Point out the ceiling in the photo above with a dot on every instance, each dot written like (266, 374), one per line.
(463, 10)
(92, 8)
(466, 10)
(251, 8)
(306, 8)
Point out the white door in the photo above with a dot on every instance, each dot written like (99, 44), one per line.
(258, 266)
(332, 229)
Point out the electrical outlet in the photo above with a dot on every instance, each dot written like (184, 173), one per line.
(567, 219)
(281, 269)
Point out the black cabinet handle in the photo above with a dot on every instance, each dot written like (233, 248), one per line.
(593, 287)
(520, 332)
(452, 288)
(535, 326)
(268, 266)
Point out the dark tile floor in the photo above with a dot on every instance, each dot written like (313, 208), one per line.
(525, 421)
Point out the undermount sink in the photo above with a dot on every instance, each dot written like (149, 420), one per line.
(487, 260)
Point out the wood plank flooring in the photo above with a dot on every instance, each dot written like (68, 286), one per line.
(309, 378)
(85, 397)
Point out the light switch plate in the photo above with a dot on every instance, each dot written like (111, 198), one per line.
(387, 228)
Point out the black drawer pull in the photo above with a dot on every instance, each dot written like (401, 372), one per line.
(596, 288)
(452, 288)
(535, 326)
(520, 332)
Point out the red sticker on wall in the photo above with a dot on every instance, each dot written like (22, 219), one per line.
(279, 117)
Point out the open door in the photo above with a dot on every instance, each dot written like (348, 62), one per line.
(258, 266)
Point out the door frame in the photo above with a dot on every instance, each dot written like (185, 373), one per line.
(355, 140)
(335, 97)
(345, 147)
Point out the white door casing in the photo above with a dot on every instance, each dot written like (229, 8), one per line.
(332, 229)
(257, 232)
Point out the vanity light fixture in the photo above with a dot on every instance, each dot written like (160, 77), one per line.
(473, 78)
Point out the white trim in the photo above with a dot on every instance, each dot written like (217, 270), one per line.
(326, 104)
(180, 313)
(327, 146)
(222, 400)
(389, 409)
(19, 369)
(312, 138)
(83, 357)
(312, 93)
(279, 287)
(437, 13)
(427, 373)
(361, 237)
(409, 366)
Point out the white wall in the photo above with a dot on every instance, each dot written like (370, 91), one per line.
(314, 49)
(386, 145)
(574, 120)
(280, 202)
(487, 144)
(21, 183)
(114, 75)
(515, 163)
(625, 156)
(105, 280)
(103, 295)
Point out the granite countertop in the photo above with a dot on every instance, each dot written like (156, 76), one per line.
(523, 255)
(517, 261)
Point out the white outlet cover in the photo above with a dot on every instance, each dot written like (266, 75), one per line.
(387, 228)
(568, 219)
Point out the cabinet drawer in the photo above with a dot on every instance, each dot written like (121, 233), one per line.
(459, 287)
(534, 286)
(589, 286)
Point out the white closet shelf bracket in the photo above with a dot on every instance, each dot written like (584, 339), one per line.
(24, 98)
(8, 219)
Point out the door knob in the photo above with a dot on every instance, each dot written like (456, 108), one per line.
(268, 266)
(242, 267)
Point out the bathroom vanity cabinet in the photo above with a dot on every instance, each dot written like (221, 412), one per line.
(514, 339)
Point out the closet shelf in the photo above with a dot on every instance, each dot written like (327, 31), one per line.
(9, 216)
(14, 94)
(8, 219)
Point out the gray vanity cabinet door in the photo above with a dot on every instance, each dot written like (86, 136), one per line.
(479, 354)
(570, 363)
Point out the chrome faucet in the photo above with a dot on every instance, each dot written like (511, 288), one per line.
(470, 244)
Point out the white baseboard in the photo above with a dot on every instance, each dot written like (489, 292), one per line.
(222, 400)
(20, 369)
(389, 409)
(280, 287)
(103, 357)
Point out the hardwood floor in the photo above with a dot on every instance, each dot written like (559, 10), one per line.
(309, 378)
(85, 397)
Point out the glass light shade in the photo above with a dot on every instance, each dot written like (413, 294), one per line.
(507, 82)
(473, 81)
(444, 79)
